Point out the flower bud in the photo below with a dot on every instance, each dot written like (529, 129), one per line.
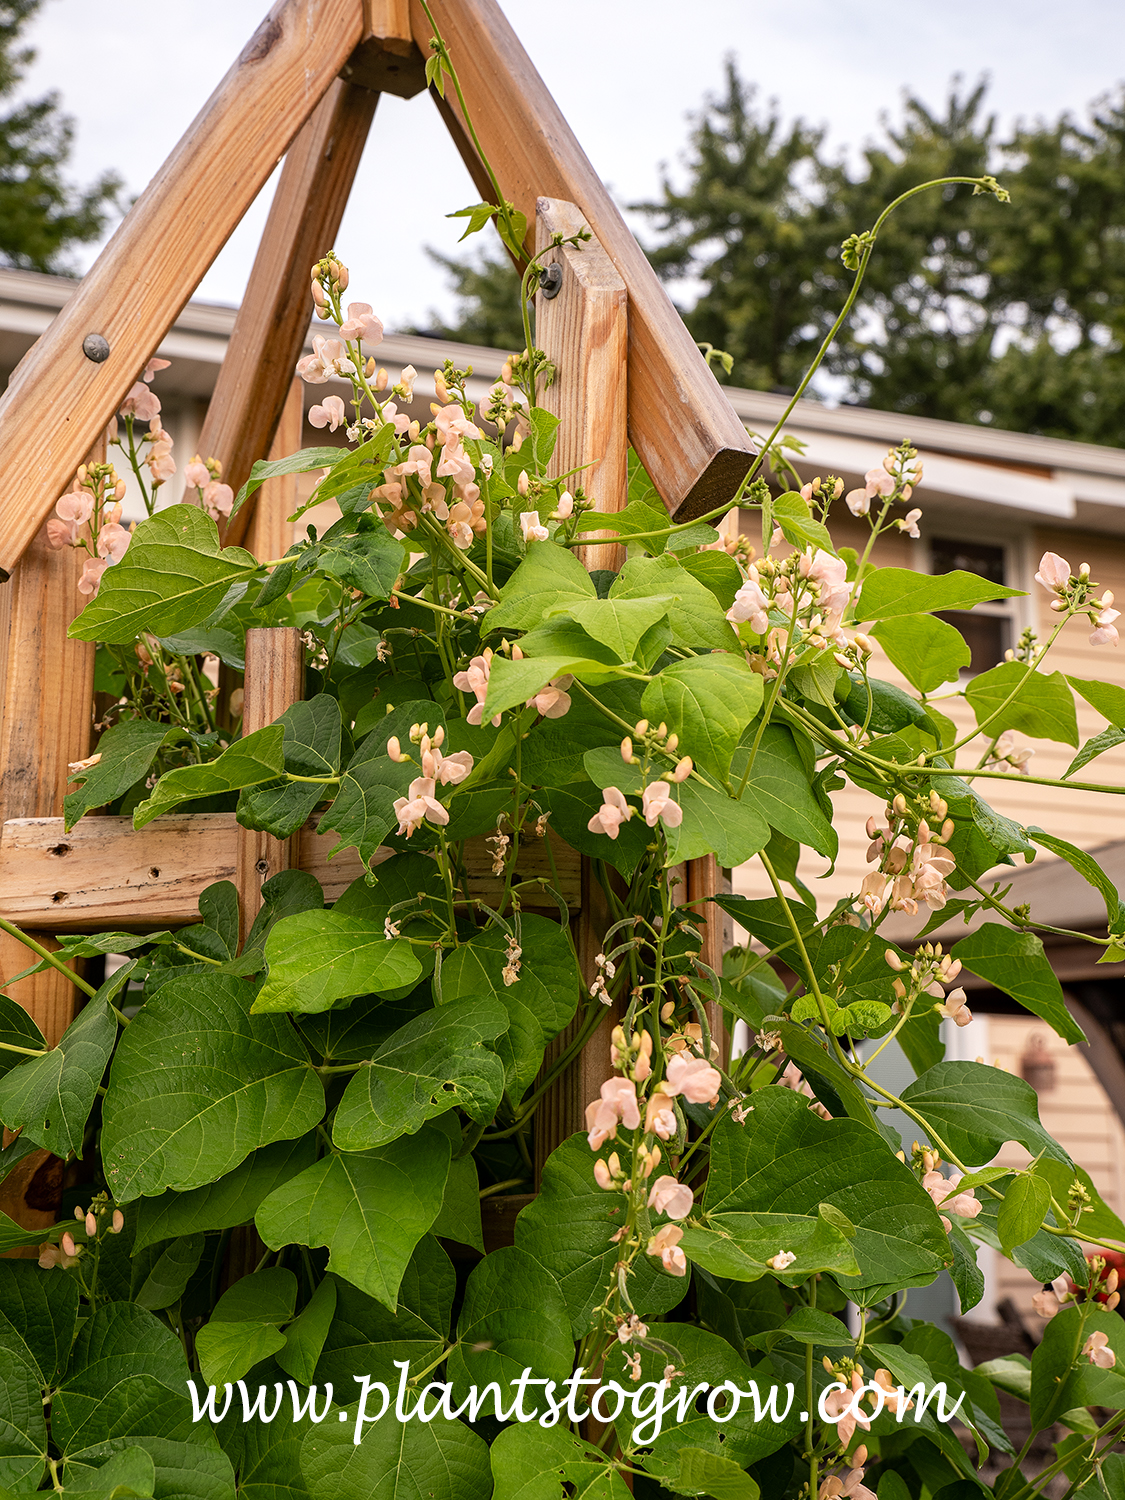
(923, 831)
(893, 959)
(683, 769)
(627, 750)
(91, 1225)
(369, 367)
(641, 728)
(67, 1243)
(118, 1223)
(672, 743)
(523, 483)
(1084, 572)
(899, 805)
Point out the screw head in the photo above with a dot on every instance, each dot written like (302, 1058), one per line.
(550, 280)
(95, 347)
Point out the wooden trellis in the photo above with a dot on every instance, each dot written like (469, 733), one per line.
(306, 85)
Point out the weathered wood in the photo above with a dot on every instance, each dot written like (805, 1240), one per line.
(273, 318)
(46, 713)
(680, 422)
(104, 875)
(387, 59)
(584, 328)
(160, 253)
(270, 532)
(275, 680)
(46, 710)
(705, 880)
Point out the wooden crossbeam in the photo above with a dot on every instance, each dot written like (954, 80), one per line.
(105, 875)
(153, 264)
(680, 422)
(273, 318)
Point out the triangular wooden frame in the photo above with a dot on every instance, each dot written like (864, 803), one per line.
(305, 86)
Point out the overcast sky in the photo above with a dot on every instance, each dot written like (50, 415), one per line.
(627, 73)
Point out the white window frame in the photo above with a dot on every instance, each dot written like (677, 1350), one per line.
(1018, 571)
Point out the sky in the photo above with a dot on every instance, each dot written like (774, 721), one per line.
(627, 74)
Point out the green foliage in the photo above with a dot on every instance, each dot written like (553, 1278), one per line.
(372, 1079)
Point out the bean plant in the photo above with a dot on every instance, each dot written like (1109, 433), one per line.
(317, 1156)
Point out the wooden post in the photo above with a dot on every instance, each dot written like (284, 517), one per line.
(46, 712)
(583, 329)
(273, 319)
(275, 679)
(680, 422)
(270, 532)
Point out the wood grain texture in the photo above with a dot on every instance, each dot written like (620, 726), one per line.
(680, 422)
(584, 329)
(156, 259)
(706, 879)
(273, 319)
(275, 680)
(103, 874)
(269, 533)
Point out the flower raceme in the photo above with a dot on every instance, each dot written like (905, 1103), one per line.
(1074, 593)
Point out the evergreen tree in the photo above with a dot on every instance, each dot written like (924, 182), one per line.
(41, 215)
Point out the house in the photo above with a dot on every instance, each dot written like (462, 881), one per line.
(992, 502)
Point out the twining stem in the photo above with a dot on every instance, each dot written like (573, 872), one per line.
(56, 963)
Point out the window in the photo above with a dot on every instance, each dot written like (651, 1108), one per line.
(988, 629)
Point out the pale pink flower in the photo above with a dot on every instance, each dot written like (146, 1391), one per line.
(658, 803)
(531, 528)
(565, 508)
(660, 1114)
(836, 1404)
(693, 1077)
(750, 604)
(943, 1192)
(475, 680)
(161, 464)
(407, 376)
(618, 1103)
(1105, 633)
(455, 463)
(92, 570)
(75, 505)
(152, 367)
(1046, 1304)
(418, 461)
(781, 1261)
(328, 413)
(1054, 572)
(452, 424)
(553, 701)
(61, 533)
(851, 1487)
(831, 574)
(218, 499)
(362, 324)
(329, 357)
(419, 804)
(602, 1176)
(859, 503)
(141, 402)
(666, 1243)
(909, 523)
(873, 892)
(955, 1008)
(449, 770)
(878, 482)
(112, 542)
(52, 1256)
(196, 474)
(1097, 1353)
(671, 1197)
(613, 812)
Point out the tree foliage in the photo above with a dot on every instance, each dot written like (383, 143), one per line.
(41, 214)
(973, 310)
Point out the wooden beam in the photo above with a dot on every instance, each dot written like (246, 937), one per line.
(104, 875)
(269, 532)
(275, 680)
(680, 422)
(273, 318)
(158, 256)
(584, 328)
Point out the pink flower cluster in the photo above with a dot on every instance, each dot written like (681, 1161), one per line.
(1074, 591)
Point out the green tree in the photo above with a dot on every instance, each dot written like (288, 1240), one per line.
(41, 214)
(759, 224)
